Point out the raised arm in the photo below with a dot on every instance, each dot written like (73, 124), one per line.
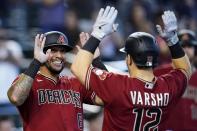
(103, 26)
(20, 89)
(84, 37)
(169, 33)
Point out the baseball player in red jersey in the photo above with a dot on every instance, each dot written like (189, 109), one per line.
(140, 102)
(183, 114)
(45, 100)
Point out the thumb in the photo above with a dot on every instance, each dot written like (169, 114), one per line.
(78, 47)
(159, 30)
(115, 27)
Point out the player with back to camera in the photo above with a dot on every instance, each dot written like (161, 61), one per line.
(45, 100)
(140, 101)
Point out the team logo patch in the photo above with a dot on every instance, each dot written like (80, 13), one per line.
(101, 74)
(61, 39)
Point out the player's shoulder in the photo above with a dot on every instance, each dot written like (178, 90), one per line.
(162, 69)
(174, 74)
(103, 74)
(193, 79)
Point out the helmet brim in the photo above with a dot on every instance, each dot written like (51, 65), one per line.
(122, 50)
(66, 47)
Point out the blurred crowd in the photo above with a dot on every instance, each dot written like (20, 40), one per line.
(20, 20)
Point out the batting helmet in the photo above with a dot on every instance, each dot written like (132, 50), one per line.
(143, 49)
(56, 38)
(187, 37)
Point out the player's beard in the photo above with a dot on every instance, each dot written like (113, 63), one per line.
(52, 70)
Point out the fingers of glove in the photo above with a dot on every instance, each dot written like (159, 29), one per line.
(107, 9)
(172, 17)
(169, 21)
(100, 14)
(111, 11)
(164, 18)
(172, 22)
(114, 15)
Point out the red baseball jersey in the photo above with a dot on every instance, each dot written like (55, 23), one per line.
(55, 106)
(184, 115)
(132, 104)
(162, 69)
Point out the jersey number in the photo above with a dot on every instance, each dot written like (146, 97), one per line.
(151, 113)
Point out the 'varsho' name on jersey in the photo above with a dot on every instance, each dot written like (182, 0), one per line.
(149, 99)
(48, 96)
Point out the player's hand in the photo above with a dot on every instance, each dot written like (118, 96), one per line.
(169, 33)
(38, 49)
(84, 37)
(104, 24)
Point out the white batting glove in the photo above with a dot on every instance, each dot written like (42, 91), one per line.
(170, 28)
(104, 24)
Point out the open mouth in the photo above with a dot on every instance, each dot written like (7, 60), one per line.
(57, 62)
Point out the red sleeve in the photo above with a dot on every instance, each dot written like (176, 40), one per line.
(105, 84)
(193, 79)
(177, 82)
(89, 96)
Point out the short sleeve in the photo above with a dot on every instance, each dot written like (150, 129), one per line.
(88, 96)
(177, 82)
(105, 84)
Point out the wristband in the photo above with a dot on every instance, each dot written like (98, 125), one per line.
(33, 68)
(176, 51)
(91, 44)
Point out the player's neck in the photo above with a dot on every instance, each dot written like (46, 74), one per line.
(44, 71)
(146, 75)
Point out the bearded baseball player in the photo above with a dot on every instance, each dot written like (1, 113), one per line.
(45, 100)
(139, 102)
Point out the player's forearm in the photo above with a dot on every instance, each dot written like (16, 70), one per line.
(180, 60)
(20, 89)
(184, 64)
(84, 59)
(81, 64)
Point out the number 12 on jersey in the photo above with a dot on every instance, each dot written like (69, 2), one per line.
(154, 114)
